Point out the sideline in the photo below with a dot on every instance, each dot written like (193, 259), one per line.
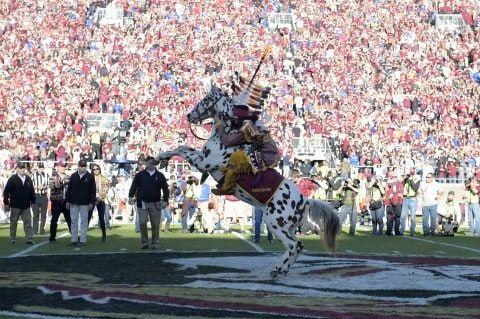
(445, 244)
(31, 315)
(32, 248)
(255, 246)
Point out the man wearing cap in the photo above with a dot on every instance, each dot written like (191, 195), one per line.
(150, 188)
(18, 197)
(80, 198)
(40, 180)
(58, 189)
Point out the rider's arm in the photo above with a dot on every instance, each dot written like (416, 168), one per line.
(233, 138)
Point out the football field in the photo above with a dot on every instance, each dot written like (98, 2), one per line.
(226, 275)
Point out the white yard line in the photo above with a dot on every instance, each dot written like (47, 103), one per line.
(32, 315)
(255, 246)
(445, 244)
(32, 248)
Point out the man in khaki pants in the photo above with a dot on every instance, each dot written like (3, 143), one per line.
(149, 186)
(19, 196)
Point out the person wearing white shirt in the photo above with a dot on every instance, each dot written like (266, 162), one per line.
(430, 191)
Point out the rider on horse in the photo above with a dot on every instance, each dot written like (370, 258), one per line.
(259, 152)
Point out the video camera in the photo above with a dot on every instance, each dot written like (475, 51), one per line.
(448, 226)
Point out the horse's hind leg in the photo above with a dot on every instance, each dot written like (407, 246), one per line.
(292, 245)
(296, 252)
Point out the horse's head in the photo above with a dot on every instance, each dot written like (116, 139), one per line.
(215, 103)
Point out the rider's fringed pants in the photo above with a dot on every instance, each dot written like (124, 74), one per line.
(239, 163)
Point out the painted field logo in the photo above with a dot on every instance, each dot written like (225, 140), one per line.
(208, 285)
(359, 278)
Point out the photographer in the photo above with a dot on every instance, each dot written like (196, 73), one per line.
(410, 200)
(472, 199)
(449, 215)
(394, 204)
(334, 193)
(349, 193)
(190, 203)
(323, 186)
(376, 192)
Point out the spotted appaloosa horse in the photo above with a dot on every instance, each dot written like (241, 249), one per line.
(285, 211)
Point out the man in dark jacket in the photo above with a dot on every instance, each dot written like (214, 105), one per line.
(149, 186)
(18, 197)
(58, 187)
(80, 198)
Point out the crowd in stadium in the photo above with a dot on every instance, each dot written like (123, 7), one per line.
(374, 77)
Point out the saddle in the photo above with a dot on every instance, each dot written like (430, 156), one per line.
(261, 186)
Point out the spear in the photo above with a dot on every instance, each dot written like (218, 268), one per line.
(266, 53)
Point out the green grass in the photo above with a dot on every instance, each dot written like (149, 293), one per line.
(364, 243)
(122, 238)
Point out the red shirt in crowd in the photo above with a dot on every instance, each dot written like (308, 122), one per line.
(307, 187)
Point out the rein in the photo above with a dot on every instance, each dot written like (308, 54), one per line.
(212, 122)
(193, 133)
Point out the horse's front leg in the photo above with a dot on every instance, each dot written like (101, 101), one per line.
(192, 156)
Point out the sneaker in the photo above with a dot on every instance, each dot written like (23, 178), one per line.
(13, 241)
(80, 244)
(144, 246)
(29, 242)
(72, 244)
(52, 240)
(154, 247)
(256, 241)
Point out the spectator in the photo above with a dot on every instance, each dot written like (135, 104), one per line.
(150, 189)
(80, 197)
(58, 188)
(258, 216)
(102, 185)
(430, 192)
(18, 197)
(472, 199)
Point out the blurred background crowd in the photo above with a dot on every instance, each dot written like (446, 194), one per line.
(374, 77)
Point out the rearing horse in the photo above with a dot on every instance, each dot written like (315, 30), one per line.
(286, 210)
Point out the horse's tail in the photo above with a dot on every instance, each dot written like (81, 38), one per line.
(322, 213)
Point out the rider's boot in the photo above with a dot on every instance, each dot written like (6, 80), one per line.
(228, 187)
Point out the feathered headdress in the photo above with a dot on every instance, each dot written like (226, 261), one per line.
(246, 93)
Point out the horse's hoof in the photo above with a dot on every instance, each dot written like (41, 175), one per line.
(274, 274)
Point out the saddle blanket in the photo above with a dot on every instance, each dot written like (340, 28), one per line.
(262, 187)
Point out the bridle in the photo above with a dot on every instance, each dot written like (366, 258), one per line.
(190, 124)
